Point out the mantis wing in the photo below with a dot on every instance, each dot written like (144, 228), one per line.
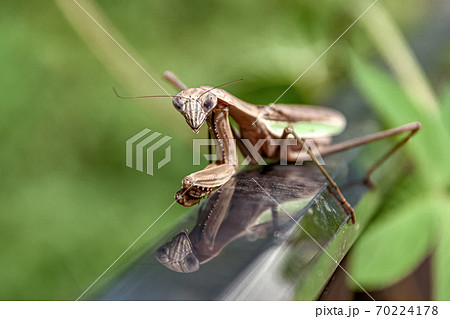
(308, 121)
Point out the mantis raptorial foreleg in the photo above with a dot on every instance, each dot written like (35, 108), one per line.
(200, 184)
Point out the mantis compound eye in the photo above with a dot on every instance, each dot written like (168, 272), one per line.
(178, 102)
(209, 102)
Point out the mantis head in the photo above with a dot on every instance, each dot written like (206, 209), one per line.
(178, 254)
(195, 105)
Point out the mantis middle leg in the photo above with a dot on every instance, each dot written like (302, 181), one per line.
(411, 128)
(289, 130)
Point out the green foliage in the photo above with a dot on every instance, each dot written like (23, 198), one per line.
(441, 276)
(407, 229)
(394, 245)
(69, 204)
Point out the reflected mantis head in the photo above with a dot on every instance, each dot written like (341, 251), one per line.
(178, 254)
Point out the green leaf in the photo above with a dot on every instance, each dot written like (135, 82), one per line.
(392, 247)
(384, 93)
(445, 107)
(441, 258)
(430, 145)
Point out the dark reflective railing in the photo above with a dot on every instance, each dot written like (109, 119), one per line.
(254, 238)
(242, 208)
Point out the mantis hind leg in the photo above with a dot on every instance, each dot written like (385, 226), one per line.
(411, 128)
(288, 130)
(382, 159)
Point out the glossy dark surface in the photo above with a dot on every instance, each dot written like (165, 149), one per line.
(246, 244)
(252, 258)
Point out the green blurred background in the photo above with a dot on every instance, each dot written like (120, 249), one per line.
(69, 205)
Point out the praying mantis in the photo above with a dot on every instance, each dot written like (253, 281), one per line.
(298, 127)
(262, 123)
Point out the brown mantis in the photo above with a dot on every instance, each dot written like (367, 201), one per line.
(260, 123)
(265, 126)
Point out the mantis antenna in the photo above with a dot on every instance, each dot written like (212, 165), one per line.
(172, 78)
(176, 82)
(220, 86)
